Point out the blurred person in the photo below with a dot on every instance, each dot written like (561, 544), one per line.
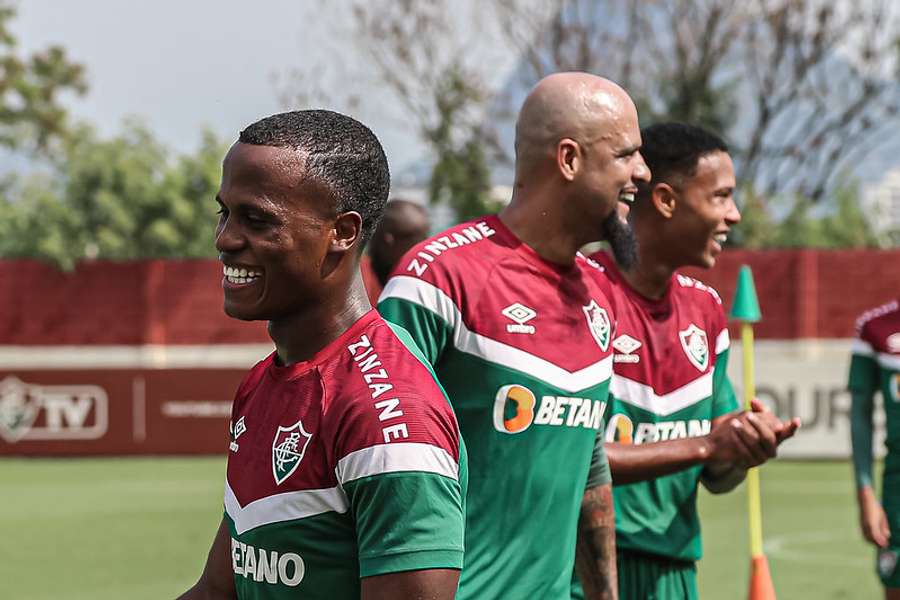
(874, 367)
(346, 475)
(519, 333)
(403, 225)
(674, 420)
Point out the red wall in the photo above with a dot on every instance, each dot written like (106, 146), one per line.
(810, 293)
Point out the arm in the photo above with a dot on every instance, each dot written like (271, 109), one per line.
(735, 441)
(434, 584)
(217, 580)
(595, 550)
(872, 518)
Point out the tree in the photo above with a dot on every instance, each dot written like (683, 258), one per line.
(120, 198)
(803, 89)
(31, 115)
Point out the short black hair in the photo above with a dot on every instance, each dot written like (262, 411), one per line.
(674, 149)
(342, 155)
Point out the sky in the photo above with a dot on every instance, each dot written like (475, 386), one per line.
(181, 65)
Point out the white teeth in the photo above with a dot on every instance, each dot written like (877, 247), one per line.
(721, 238)
(238, 275)
(627, 197)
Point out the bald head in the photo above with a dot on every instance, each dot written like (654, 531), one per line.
(580, 106)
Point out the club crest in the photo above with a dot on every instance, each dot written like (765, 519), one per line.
(288, 449)
(19, 408)
(598, 323)
(696, 346)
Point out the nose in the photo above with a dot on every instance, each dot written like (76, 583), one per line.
(641, 170)
(732, 215)
(228, 238)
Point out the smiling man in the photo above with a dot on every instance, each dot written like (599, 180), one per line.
(519, 333)
(674, 418)
(346, 475)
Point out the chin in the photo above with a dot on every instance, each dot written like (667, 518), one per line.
(240, 312)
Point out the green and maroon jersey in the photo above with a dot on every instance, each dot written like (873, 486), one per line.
(523, 348)
(874, 367)
(346, 466)
(669, 382)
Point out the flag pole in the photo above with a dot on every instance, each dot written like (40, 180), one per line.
(746, 311)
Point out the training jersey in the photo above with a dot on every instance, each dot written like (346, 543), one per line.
(348, 465)
(523, 348)
(875, 366)
(669, 382)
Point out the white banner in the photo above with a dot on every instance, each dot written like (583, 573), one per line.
(807, 379)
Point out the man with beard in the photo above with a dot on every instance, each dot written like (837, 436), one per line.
(403, 225)
(519, 332)
(346, 475)
(674, 418)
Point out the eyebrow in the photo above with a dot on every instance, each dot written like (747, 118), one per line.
(629, 150)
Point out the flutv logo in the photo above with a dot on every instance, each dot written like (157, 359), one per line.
(51, 412)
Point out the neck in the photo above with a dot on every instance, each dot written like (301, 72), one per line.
(535, 219)
(654, 268)
(300, 336)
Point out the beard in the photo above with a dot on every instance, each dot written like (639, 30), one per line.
(621, 239)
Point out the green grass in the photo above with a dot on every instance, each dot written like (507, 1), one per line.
(810, 532)
(96, 529)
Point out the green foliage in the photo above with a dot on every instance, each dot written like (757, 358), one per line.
(119, 198)
(836, 222)
(460, 176)
(31, 117)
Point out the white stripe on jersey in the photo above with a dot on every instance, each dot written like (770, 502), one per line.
(723, 341)
(283, 507)
(395, 458)
(888, 361)
(434, 299)
(862, 348)
(643, 396)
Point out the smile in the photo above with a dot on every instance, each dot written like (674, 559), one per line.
(240, 275)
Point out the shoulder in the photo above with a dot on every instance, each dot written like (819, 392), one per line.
(382, 392)
(879, 327)
(696, 291)
(459, 248)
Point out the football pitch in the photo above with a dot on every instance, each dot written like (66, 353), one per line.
(139, 528)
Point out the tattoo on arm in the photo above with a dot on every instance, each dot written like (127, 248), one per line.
(595, 552)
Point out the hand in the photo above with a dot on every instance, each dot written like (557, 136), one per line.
(783, 429)
(745, 439)
(872, 519)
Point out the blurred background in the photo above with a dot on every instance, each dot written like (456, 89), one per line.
(114, 118)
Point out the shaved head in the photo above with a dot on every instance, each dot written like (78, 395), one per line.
(578, 164)
(580, 106)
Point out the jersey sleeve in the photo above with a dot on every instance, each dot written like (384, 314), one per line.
(863, 376)
(423, 309)
(724, 398)
(862, 382)
(405, 479)
(598, 472)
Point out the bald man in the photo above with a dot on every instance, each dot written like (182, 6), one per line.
(518, 328)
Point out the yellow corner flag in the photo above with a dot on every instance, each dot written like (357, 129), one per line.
(746, 311)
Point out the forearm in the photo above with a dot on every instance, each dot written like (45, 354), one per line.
(630, 463)
(861, 431)
(595, 550)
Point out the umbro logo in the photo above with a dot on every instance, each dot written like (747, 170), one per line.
(625, 345)
(521, 314)
(236, 430)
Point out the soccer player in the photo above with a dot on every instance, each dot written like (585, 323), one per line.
(520, 334)
(672, 421)
(875, 366)
(346, 475)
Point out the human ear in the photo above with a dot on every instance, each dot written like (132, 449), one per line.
(346, 232)
(664, 199)
(568, 158)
